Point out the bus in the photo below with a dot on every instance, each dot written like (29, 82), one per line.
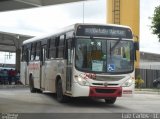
(82, 60)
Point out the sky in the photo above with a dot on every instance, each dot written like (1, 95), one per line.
(38, 21)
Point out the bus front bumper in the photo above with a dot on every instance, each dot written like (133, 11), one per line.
(96, 92)
(104, 92)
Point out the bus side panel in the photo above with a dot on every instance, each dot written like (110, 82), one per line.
(34, 69)
(50, 73)
(23, 73)
(54, 68)
(61, 70)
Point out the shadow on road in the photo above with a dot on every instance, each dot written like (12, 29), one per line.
(84, 102)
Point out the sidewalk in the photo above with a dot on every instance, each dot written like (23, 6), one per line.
(147, 91)
(12, 86)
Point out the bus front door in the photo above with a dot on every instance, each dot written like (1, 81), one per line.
(69, 66)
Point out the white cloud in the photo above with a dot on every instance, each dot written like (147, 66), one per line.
(46, 19)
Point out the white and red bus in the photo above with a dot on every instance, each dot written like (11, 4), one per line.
(82, 60)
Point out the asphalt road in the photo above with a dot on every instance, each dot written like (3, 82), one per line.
(20, 101)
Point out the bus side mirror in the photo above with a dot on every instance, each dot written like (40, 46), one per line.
(136, 47)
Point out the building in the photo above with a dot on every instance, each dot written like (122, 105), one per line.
(149, 68)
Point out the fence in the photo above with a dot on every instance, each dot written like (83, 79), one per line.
(148, 75)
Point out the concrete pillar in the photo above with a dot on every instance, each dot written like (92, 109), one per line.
(18, 59)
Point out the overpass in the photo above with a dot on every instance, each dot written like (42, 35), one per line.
(11, 42)
(6, 5)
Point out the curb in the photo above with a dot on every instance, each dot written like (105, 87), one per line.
(147, 91)
(12, 86)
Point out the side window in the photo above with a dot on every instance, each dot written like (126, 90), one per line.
(61, 46)
(29, 52)
(33, 51)
(25, 52)
(52, 49)
(38, 50)
(43, 56)
(47, 49)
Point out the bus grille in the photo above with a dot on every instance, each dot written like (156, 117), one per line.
(105, 90)
(102, 84)
(109, 78)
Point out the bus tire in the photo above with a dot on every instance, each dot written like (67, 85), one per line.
(110, 100)
(59, 92)
(31, 84)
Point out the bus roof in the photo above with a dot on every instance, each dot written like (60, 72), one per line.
(57, 32)
(68, 28)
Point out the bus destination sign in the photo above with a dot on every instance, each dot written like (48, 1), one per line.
(99, 31)
(104, 31)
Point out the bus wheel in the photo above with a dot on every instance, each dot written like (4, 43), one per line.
(31, 84)
(60, 97)
(110, 100)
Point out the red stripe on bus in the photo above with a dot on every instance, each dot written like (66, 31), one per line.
(103, 92)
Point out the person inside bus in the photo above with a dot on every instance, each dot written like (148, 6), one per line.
(79, 57)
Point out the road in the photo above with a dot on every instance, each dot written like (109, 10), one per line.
(20, 100)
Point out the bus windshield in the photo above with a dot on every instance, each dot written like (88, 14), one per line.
(104, 55)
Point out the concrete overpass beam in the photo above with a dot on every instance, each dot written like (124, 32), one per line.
(46, 2)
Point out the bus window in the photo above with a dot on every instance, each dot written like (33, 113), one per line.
(52, 49)
(38, 49)
(61, 47)
(24, 54)
(43, 55)
(47, 48)
(33, 51)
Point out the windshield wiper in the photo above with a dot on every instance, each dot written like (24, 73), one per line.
(113, 47)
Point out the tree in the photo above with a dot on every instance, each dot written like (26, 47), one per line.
(139, 81)
(156, 21)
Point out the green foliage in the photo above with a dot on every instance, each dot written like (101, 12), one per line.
(156, 22)
(139, 81)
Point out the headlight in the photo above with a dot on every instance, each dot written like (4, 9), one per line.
(128, 83)
(82, 81)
